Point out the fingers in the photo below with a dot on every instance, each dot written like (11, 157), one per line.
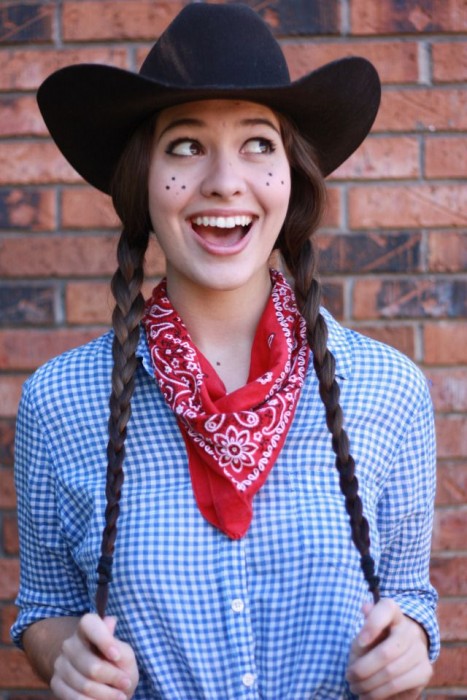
(378, 619)
(69, 684)
(389, 656)
(94, 664)
(99, 633)
(394, 675)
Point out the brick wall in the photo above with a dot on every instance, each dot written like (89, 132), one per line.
(393, 249)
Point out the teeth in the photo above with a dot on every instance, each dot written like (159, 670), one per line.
(223, 221)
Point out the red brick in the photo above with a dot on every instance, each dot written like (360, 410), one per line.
(89, 302)
(26, 305)
(32, 163)
(27, 209)
(449, 61)
(449, 574)
(8, 615)
(422, 109)
(7, 489)
(451, 435)
(333, 297)
(408, 206)
(10, 393)
(85, 207)
(417, 16)
(10, 534)
(451, 667)
(20, 116)
(448, 389)
(369, 252)
(451, 486)
(446, 157)
(400, 337)
(382, 158)
(27, 349)
(7, 436)
(333, 214)
(25, 69)
(9, 580)
(447, 251)
(63, 256)
(452, 615)
(16, 671)
(57, 255)
(93, 302)
(88, 20)
(396, 62)
(413, 298)
(21, 22)
(449, 528)
(445, 343)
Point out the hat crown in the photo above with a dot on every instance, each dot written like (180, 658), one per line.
(220, 46)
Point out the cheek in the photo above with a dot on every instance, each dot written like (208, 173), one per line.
(276, 188)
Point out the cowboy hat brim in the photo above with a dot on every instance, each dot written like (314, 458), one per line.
(91, 110)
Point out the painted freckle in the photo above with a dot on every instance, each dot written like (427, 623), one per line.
(167, 187)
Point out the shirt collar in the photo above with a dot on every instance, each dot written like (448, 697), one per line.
(339, 345)
(142, 352)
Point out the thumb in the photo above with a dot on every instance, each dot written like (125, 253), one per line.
(111, 623)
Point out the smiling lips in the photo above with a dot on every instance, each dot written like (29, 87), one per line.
(224, 231)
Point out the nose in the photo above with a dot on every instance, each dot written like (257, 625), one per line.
(224, 176)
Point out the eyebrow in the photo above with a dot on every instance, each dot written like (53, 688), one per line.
(191, 121)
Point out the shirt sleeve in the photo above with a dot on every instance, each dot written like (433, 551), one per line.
(51, 585)
(405, 522)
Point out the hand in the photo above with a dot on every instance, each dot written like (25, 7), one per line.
(389, 656)
(95, 664)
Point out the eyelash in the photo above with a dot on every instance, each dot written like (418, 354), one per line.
(270, 146)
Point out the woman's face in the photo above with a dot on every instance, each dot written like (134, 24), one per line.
(219, 188)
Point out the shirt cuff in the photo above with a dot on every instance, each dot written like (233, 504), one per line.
(417, 609)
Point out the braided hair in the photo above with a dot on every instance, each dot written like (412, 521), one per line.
(130, 200)
(308, 196)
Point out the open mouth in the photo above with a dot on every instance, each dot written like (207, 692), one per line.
(222, 230)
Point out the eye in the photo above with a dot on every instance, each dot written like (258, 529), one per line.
(184, 147)
(259, 145)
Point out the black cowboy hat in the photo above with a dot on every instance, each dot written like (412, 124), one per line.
(207, 52)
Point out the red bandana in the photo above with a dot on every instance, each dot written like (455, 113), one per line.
(232, 439)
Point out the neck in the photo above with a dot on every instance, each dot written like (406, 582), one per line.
(222, 324)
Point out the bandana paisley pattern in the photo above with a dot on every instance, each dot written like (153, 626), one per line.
(234, 439)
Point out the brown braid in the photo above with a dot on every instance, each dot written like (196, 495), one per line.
(131, 204)
(296, 246)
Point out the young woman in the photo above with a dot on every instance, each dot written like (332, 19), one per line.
(242, 562)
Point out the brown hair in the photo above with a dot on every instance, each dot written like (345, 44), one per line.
(295, 244)
(130, 199)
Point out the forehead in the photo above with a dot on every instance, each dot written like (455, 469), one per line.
(206, 111)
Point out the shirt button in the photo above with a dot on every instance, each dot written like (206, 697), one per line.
(238, 605)
(248, 679)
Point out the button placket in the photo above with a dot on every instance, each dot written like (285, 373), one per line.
(239, 622)
(238, 606)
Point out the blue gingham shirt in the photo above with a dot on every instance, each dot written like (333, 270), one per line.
(270, 616)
